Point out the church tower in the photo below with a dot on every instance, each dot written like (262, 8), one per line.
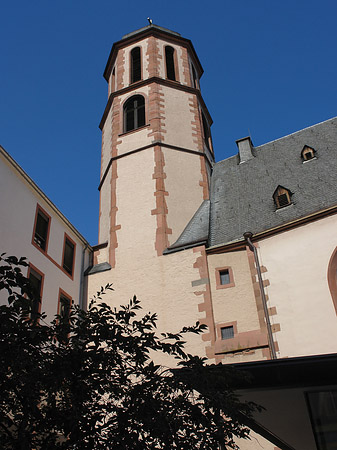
(156, 145)
(156, 162)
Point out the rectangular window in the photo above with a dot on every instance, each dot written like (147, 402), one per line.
(36, 281)
(64, 305)
(323, 409)
(68, 255)
(227, 332)
(41, 229)
(224, 277)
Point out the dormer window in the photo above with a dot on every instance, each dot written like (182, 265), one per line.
(282, 197)
(136, 67)
(170, 68)
(308, 153)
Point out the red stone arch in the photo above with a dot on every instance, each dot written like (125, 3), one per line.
(332, 277)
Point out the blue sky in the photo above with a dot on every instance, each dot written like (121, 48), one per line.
(270, 69)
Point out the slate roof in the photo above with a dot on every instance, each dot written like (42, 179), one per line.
(241, 197)
(196, 231)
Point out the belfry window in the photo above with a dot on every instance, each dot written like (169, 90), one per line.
(308, 153)
(195, 81)
(134, 113)
(207, 133)
(136, 67)
(282, 197)
(169, 58)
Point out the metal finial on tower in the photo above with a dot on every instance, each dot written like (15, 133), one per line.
(150, 20)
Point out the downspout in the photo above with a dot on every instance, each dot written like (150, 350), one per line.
(81, 302)
(248, 235)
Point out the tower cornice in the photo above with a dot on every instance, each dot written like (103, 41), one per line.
(161, 81)
(151, 30)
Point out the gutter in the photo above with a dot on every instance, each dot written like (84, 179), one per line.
(248, 235)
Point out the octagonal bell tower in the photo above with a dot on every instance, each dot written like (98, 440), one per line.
(156, 145)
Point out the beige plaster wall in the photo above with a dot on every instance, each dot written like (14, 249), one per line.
(256, 442)
(185, 195)
(178, 119)
(106, 142)
(18, 203)
(105, 202)
(235, 303)
(135, 189)
(163, 284)
(297, 263)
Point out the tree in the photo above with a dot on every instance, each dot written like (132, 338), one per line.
(87, 380)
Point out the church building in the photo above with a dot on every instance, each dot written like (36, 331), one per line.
(247, 245)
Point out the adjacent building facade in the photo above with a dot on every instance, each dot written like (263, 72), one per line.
(32, 226)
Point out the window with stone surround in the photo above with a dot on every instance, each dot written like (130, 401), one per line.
(41, 229)
(170, 66)
(68, 258)
(227, 332)
(134, 113)
(36, 282)
(135, 65)
(64, 305)
(224, 277)
(207, 133)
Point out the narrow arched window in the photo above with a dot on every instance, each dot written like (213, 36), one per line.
(136, 67)
(169, 58)
(308, 153)
(282, 197)
(134, 113)
(194, 78)
(207, 133)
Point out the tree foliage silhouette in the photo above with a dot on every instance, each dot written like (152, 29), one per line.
(88, 381)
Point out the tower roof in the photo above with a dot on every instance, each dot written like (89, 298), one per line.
(157, 27)
(151, 30)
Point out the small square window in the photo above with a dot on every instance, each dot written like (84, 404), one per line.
(227, 332)
(224, 276)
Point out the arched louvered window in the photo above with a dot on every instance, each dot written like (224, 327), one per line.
(134, 113)
(169, 58)
(308, 153)
(332, 278)
(282, 197)
(194, 78)
(136, 66)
